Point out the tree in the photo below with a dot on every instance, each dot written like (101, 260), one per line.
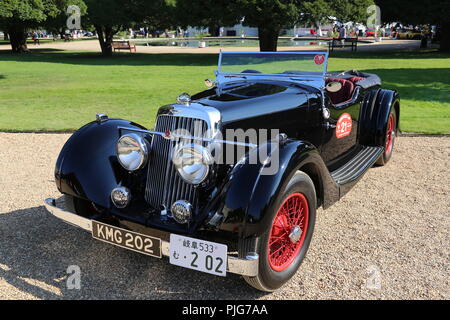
(156, 15)
(206, 13)
(58, 23)
(110, 16)
(351, 10)
(315, 13)
(270, 17)
(17, 16)
(414, 12)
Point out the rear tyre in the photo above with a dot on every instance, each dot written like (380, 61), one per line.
(391, 132)
(283, 247)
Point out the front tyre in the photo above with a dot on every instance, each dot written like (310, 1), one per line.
(283, 247)
(391, 132)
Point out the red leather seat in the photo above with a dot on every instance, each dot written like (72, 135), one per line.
(356, 79)
(344, 94)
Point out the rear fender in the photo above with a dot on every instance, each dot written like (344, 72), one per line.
(376, 108)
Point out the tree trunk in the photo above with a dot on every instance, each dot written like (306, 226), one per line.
(268, 38)
(18, 39)
(214, 30)
(445, 37)
(105, 37)
(5, 36)
(424, 42)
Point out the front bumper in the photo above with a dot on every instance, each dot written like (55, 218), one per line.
(245, 267)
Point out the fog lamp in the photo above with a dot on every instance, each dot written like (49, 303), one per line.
(121, 197)
(182, 211)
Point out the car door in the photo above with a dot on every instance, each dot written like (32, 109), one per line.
(340, 129)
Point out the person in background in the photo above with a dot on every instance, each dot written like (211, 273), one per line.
(319, 32)
(342, 32)
(342, 35)
(36, 38)
(394, 32)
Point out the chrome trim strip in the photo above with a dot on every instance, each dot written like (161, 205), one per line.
(70, 218)
(194, 110)
(245, 267)
(177, 136)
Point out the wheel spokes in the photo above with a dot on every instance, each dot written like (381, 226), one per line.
(283, 246)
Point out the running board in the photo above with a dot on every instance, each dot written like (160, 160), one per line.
(358, 165)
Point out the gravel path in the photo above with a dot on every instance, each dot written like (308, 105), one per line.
(392, 227)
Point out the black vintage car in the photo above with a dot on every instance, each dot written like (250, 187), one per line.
(230, 178)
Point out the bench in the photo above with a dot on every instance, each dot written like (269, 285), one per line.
(124, 45)
(344, 42)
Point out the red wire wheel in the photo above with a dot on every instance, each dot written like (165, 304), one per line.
(390, 133)
(288, 231)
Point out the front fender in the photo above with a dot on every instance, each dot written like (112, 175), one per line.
(87, 166)
(250, 196)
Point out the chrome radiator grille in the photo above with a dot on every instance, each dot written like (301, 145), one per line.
(164, 184)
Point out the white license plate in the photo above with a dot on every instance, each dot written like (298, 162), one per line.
(205, 256)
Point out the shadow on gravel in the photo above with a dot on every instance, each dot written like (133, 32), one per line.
(37, 249)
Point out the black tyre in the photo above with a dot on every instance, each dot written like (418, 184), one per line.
(79, 206)
(283, 247)
(391, 133)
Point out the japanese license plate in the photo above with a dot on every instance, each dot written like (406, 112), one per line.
(204, 256)
(127, 239)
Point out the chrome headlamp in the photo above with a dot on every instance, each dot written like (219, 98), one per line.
(192, 162)
(132, 151)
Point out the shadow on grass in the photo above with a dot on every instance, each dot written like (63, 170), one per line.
(37, 249)
(32, 51)
(417, 84)
(392, 54)
(183, 59)
(128, 59)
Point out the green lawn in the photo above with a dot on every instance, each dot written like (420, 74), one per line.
(59, 90)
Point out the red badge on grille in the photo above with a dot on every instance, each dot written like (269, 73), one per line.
(167, 134)
(344, 126)
(319, 59)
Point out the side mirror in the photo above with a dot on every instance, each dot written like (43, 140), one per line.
(209, 83)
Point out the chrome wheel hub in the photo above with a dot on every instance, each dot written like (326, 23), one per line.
(295, 234)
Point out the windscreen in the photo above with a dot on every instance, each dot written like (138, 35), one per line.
(273, 63)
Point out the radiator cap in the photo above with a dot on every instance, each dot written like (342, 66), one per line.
(184, 98)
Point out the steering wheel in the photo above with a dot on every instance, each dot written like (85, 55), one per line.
(351, 71)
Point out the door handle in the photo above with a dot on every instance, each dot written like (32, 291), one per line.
(329, 126)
